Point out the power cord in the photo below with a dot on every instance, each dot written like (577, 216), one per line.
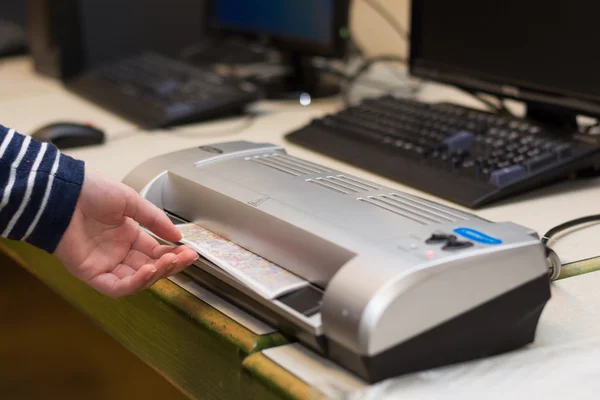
(247, 121)
(404, 33)
(567, 225)
(352, 79)
(498, 109)
(558, 270)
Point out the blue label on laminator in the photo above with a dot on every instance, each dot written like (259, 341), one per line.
(476, 236)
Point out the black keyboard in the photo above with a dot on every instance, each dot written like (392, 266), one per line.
(156, 91)
(469, 157)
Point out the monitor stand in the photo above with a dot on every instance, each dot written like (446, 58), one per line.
(302, 79)
(553, 116)
(563, 121)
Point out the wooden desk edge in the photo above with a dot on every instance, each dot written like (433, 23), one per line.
(179, 299)
(279, 380)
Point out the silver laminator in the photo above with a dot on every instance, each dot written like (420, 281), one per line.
(398, 283)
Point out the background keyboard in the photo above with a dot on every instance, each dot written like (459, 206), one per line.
(156, 91)
(466, 156)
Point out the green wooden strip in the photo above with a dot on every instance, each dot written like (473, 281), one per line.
(279, 382)
(194, 346)
(581, 267)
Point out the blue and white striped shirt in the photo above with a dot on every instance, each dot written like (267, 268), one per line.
(39, 188)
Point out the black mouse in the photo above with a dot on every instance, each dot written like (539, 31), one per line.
(66, 135)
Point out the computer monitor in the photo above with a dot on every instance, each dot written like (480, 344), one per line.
(14, 11)
(71, 37)
(540, 52)
(300, 29)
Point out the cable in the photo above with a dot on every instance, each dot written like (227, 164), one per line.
(367, 63)
(248, 120)
(561, 271)
(499, 109)
(387, 16)
(567, 225)
(123, 135)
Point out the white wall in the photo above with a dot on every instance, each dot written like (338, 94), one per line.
(373, 33)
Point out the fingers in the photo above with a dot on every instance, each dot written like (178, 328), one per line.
(123, 271)
(148, 215)
(131, 278)
(148, 245)
(113, 286)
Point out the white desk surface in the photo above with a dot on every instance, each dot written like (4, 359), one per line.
(564, 360)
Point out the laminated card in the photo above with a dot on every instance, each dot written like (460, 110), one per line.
(266, 278)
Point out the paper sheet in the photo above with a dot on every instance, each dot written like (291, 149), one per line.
(261, 275)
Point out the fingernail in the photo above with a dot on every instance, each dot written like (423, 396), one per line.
(172, 265)
(197, 257)
(151, 274)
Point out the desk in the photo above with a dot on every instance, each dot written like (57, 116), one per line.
(210, 352)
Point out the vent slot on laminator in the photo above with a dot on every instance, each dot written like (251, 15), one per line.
(411, 208)
(288, 164)
(344, 184)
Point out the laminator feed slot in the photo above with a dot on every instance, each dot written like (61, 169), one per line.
(307, 300)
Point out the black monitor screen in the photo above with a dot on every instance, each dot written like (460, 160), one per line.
(13, 10)
(310, 21)
(542, 46)
(114, 29)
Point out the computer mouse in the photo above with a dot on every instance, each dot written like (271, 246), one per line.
(66, 135)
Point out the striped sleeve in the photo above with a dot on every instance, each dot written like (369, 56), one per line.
(39, 188)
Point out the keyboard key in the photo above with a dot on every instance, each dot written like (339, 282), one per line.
(504, 176)
(533, 153)
(179, 109)
(468, 169)
(563, 150)
(484, 174)
(166, 87)
(539, 161)
(460, 140)
(503, 164)
(519, 159)
(513, 136)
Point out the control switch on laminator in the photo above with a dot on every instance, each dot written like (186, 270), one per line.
(397, 283)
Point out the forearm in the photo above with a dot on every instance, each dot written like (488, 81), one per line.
(39, 188)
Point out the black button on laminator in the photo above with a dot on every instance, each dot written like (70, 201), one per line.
(457, 245)
(439, 238)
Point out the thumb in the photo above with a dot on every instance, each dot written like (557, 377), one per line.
(150, 216)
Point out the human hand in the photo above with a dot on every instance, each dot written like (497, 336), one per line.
(105, 246)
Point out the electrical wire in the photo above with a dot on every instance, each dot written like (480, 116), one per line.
(369, 62)
(403, 32)
(123, 135)
(248, 120)
(567, 225)
(579, 267)
(499, 109)
(366, 65)
(387, 16)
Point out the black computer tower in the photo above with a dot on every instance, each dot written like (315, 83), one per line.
(68, 37)
(54, 37)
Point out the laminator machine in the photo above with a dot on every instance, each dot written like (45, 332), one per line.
(395, 283)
